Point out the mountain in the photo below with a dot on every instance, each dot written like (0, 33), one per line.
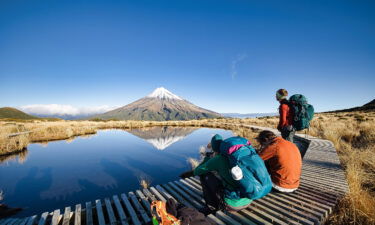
(162, 137)
(368, 107)
(247, 115)
(160, 105)
(12, 113)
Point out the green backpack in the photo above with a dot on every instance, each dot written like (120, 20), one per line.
(302, 111)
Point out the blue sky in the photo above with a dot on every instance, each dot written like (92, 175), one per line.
(227, 56)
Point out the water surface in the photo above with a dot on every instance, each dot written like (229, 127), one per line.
(65, 173)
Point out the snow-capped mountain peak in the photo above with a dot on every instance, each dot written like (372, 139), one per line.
(163, 93)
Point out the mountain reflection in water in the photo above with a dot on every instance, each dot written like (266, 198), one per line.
(162, 137)
(63, 173)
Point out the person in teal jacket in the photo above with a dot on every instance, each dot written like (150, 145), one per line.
(216, 180)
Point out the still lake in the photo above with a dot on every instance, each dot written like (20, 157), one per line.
(64, 173)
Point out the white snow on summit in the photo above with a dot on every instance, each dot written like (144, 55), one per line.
(163, 93)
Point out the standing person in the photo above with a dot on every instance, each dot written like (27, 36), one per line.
(286, 116)
(283, 159)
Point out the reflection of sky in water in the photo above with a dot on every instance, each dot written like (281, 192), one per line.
(63, 174)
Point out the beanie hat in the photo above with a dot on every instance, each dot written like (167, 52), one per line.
(215, 142)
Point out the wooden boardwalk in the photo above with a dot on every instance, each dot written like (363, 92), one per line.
(323, 183)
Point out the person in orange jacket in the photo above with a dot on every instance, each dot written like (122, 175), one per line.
(286, 116)
(283, 160)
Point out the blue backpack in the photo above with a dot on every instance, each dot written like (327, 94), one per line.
(302, 111)
(254, 182)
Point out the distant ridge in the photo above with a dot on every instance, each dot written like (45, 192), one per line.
(368, 107)
(160, 105)
(12, 113)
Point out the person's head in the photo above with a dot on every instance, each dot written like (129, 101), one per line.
(281, 94)
(265, 137)
(215, 142)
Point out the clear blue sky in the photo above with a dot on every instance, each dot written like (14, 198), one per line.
(227, 56)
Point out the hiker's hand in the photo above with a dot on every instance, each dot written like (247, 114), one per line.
(187, 174)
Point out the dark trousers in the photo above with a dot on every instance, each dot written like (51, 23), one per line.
(288, 134)
(212, 190)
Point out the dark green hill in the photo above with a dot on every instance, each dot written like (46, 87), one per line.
(368, 107)
(12, 113)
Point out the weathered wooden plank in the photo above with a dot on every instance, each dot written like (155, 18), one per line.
(89, 219)
(189, 198)
(306, 197)
(196, 190)
(336, 174)
(66, 218)
(20, 221)
(120, 210)
(215, 219)
(177, 196)
(240, 218)
(99, 212)
(23, 222)
(162, 191)
(339, 184)
(265, 215)
(197, 186)
(139, 208)
(146, 204)
(302, 212)
(77, 215)
(324, 186)
(225, 218)
(302, 203)
(6, 221)
(322, 193)
(11, 221)
(56, 217)
(316, 212)
(254, 217)
(157, 194)
(150, 195)
(190, 192)
(111, 214)
(308, 201)
(196, 180)
(283, 213)
(313, 193)
(276, 216)
(43, 218)
(129, 208)
(31, 220)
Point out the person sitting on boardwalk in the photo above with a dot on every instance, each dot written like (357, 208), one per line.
(286, 118)
(235, 187)
(283, 160)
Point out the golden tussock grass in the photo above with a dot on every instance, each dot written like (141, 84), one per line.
(353, 135)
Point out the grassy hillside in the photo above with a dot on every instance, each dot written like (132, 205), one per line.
(12, 113)
(368, 107)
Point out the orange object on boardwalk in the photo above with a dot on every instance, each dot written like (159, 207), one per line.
(161, 211)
